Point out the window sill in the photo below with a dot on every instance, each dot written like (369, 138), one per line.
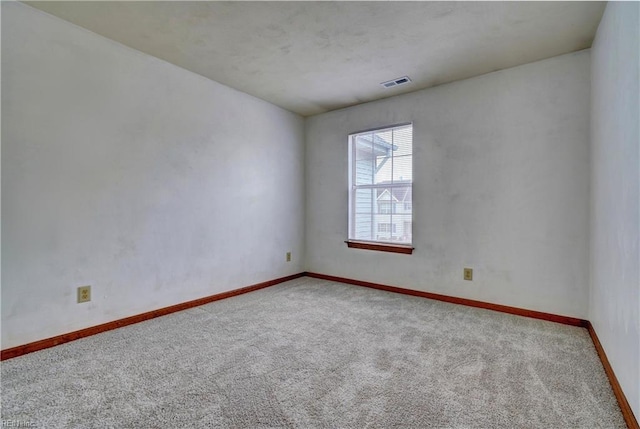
(381, 247)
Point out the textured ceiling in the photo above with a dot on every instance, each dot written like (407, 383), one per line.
(312, 57)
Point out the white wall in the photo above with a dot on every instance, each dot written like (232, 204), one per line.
(614, 307)
(151, 184)
(501, 184)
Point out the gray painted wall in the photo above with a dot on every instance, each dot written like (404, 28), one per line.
(151, 184)
(501, 184)
(614, 308)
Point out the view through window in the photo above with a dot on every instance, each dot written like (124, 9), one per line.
(380, 191)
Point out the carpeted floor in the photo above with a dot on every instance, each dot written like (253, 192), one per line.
(315, 354)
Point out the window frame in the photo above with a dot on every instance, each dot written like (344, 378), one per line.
(385, 246)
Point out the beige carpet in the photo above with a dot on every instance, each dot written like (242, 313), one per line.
(315, 354)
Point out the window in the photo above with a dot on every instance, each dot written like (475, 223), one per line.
(380, 186)
(385, 207)
(386, 227)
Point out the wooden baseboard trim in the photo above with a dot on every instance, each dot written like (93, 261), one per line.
(627, 412)
(82, 333)
(566, 320)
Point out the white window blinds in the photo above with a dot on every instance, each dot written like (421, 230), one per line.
(380, 188)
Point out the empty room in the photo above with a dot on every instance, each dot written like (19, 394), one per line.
(320, 214)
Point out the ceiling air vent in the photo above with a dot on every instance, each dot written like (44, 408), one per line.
(395, 82)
